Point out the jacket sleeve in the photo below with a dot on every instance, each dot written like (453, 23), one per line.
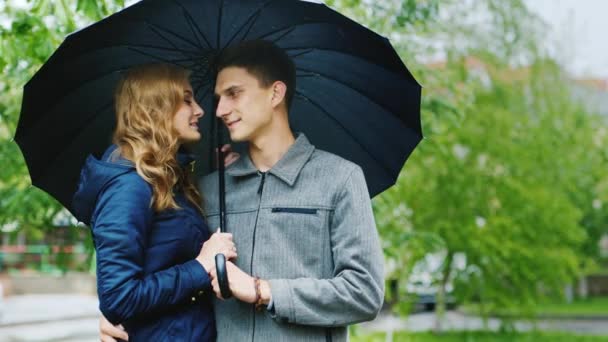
(122, 220)
(356, 291)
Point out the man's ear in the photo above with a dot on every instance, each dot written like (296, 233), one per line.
(279, 89)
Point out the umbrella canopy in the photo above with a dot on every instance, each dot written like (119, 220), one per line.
(354, 96)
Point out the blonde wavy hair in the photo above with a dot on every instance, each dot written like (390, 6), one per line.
(146, 100)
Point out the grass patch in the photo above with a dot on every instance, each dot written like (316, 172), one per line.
(596, 306)
(591, 306)
(480, 336)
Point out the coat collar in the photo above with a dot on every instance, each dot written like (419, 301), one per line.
(183, 157)
(287, 168)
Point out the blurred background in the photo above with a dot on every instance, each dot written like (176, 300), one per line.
(497, 229)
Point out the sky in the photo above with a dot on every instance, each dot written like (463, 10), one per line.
(580, 30)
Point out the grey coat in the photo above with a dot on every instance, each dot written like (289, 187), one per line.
(306, 226)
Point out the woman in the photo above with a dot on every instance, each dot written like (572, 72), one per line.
(146, 216)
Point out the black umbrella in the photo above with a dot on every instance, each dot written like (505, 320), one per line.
(354, 96)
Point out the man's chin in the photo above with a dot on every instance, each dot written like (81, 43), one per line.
(237, 137)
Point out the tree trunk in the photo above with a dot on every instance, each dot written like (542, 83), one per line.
(440, 304)
(569, 293)
(439, 308)
(583, 287)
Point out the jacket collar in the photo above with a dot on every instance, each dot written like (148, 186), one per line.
(287, 168)
(183, 157)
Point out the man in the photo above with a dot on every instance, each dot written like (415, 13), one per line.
(310, 261)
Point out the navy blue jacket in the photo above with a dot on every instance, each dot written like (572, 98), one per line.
(147, 275)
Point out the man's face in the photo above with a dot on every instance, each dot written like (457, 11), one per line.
(243, 104)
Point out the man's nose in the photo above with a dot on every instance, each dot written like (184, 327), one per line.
(222, 108)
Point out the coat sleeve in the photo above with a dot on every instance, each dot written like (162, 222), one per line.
(121, 223)
(356, 291)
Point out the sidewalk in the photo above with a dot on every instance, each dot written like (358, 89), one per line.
(455, 320)
(52, 317)
(71, 318)
(39, 308)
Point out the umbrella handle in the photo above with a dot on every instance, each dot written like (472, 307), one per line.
(220, 259)
(222, 275)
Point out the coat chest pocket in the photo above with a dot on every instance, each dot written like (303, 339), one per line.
(302, 238)
(287, 217)
(294, 210)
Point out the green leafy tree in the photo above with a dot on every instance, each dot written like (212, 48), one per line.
(510, 173)
(29, 34)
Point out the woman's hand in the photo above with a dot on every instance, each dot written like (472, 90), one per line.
(111, 333)
(218, 243)
(229, 155)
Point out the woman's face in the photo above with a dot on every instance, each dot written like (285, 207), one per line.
(186, 119)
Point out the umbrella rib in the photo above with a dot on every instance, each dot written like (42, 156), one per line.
(157, 29)
(200, 86)
(253, 16)
(193, 25)
(219, 24)
(309, 49)
(288, 31)
(202, 79)
(301, 53)
(84, 82)
(290, 27)
(316, 74)
(80, 130)
(170, 61)
(184, 52)
(123, 68)
(341, 125)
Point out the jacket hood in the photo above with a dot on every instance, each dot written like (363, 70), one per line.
(94, 176)
(97, 173)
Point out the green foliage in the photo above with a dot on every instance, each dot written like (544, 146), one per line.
(29, 36)
(480, 336)
(510, 174)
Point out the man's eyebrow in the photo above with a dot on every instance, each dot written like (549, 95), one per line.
(230, 89)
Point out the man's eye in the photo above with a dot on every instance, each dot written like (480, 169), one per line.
(188, 101)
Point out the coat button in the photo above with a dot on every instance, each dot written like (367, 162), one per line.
(194, 299)
(201, 292)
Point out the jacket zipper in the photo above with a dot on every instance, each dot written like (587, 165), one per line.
(261, 187)
(255, 226)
